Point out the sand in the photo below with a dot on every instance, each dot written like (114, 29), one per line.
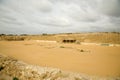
(93, 60)
(13, 69)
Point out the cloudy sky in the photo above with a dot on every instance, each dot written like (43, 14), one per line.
(59, 16)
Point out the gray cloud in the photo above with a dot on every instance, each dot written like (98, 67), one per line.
(56, 16)
(110, 7)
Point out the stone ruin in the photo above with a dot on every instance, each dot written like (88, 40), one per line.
(69, 41)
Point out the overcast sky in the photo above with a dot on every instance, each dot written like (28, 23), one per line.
(59, 16)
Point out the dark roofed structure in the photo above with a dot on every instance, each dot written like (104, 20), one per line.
(68, 40)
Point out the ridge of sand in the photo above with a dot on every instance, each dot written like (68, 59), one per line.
(107, 37)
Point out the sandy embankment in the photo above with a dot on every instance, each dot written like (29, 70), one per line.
(12, 69)
(95, 60)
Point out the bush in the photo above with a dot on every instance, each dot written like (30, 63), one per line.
(104, 44)
(77, 42)
(1, 68)
(44, 34)
(62, 47)
(81, 50)
(2, 34)
(15, 78)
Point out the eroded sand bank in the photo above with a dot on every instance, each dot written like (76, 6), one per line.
(13, 69)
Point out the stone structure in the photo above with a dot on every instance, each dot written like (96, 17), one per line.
(68, 40)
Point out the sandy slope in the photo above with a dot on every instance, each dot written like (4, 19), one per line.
(13, 69)
(107, 37)
(95, 60)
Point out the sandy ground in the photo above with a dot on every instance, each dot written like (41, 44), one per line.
(95, 60)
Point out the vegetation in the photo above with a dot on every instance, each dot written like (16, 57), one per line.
(44, 34)
(104, 44)
(108, 37)
(2, 34)
(1, 68)
(24, 35)
(77, 42)
(81, 50)
(62, 47)
(15, 78)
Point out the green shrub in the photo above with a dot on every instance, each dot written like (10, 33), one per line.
(15, 78)
(62, 47)
(44, 34)
(78, 42)
(104, 44)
